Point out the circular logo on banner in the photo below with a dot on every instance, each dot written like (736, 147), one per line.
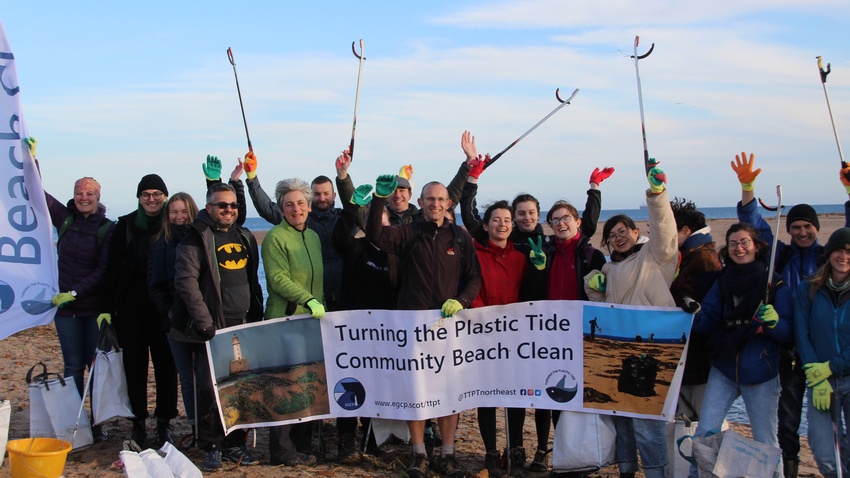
(36, 298)
(563, 386)
(349, 393)
(7, 296)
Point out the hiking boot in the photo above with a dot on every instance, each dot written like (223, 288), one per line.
(163, 432)
(239, 455)
(419, 467)
(347, 452)
(517, 456)
(450, 467)
(212, 461)
(139, 434)
(301, 459)
(493, 463)
(430, 440)
(99, 434)
(540, 462)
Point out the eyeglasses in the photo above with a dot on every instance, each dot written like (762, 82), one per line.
(745, 243)
(622, 233)
(157, 195)
(225, 205)
(561, 220)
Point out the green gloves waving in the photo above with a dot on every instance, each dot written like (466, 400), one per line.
(537, 256)
(317, 310)
(450, 308)
(212, 168)
(361, 195)
(385, 185)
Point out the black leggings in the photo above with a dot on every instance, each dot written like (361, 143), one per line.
(487, 427)
(541, 421)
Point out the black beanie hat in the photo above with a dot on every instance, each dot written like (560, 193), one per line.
(840, 239)
(151, 181)
(802, 212)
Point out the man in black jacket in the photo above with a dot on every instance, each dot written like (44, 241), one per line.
(217, 286)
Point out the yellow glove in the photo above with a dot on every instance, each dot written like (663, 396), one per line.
(815, 372)
(103, 318)
(536, 255)
(820, 395)
(744, 169)
(62, 298)
(597, 282)
(450, 308)
(843, 174)
(31, 143)
(317, 310)
(768, 316)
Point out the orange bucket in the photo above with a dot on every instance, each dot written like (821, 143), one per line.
(37, 457)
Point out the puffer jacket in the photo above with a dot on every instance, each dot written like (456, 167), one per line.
(758, 359)
(82, 257)
(822, 328)
(644, 277)
(292, 260)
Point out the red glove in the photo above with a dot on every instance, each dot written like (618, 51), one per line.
(476, 166)
(250, 165)
(598, 176)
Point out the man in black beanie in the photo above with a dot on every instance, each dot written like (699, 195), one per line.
(794, 262)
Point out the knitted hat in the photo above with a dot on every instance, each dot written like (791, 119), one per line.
(840, 239)
(151, 181)
(802, 212)
(87, 184)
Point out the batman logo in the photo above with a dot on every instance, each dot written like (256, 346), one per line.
(240, 259)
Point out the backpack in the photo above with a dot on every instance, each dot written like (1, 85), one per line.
(102, 229)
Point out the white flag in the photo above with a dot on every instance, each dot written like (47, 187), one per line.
(28, 270)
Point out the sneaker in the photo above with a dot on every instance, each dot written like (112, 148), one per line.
(239, 455)
(419, 467)
(493, 463)
(212, 461)
(347, 452)
(301, 459)
(450, 467)
(99, 434)
(540, 461)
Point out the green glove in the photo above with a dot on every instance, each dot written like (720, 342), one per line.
(815, 372)
(450, 308)
(361, 195)
(385, 185)
(212, 169)
(537, 256)
(820, 395)
(317, 310)
(656, 178)
(103, 318)
(768, 316)
(62, 298)
(32, 143)
(597, 282)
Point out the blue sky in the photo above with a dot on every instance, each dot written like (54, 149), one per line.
(118, 90)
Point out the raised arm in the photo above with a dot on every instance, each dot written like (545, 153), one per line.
(266, 208)
(593, 206)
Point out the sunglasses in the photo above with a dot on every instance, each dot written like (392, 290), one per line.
(225, 205)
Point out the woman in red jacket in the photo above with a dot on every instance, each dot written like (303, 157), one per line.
(502, 271)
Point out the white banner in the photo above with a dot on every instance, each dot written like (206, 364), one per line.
(564, 355)
(27, 258)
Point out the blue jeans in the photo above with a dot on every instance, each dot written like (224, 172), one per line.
(78, 338)
(760, 400)
(648, 437)
(821, 437)
(183, 360)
